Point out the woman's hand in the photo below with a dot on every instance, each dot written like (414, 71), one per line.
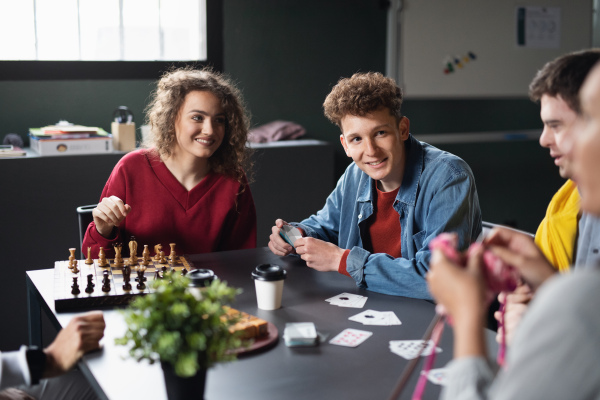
(110, 212)
(462, 293)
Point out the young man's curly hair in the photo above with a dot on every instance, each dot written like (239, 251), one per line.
(232, 156)
(362, 94)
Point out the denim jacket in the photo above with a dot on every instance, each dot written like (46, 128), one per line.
(437, 195)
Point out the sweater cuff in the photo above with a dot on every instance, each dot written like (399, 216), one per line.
(342, 267)
(14, 370)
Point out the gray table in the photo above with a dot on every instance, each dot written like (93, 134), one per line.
(369, 371)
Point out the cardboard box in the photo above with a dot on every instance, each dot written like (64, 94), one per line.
(123, 136)
(56, 147)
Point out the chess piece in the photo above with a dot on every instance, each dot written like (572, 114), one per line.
(118, 257)
(105, 282)
(75, 286)
(184, 271)
(90, 285)
(145, 255)
(133, 250)
(72, 260)
(157, 249)
(102, 258)
(126, 277)
(157, 275)
(173, 255)
(89, 260)
(163, 259)
(141, 278)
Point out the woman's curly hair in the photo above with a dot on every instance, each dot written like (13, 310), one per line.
(362, 94)
(232, 158)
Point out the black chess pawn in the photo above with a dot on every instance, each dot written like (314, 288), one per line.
(126, 277)
(90, 285)
(157, 275)
(140, 278)
(75, 286)
(106, 282)
(184, 271)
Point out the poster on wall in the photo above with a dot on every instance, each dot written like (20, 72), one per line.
(538, 27)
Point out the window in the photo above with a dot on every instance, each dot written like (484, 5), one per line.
(107, 39)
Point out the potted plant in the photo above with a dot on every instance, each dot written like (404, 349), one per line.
(187, 333)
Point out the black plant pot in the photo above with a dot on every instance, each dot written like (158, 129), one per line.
(183, 388)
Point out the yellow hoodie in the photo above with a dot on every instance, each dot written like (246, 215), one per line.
(557, 232)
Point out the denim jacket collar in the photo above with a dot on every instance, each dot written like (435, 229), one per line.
(410, 181)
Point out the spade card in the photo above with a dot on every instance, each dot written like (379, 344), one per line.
(350, 337)
(409, 349)
(348, 300)
(372, 317)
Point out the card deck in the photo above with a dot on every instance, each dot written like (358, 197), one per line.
(409, 349)
(350, 337)
(290, 234)
(348, 300)
(372, 317)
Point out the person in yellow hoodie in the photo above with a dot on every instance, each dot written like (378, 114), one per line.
(565, 235)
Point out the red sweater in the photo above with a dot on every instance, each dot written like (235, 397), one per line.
(383, 228)
(210, 217)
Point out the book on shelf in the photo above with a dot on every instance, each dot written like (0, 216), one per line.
(89, 145)
(67, 132)
(8, 150)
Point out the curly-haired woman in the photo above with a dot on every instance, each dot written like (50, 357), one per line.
(187, 185)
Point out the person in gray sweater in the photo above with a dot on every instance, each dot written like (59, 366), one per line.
(555, 352)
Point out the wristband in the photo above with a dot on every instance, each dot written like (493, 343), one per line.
(36, 360)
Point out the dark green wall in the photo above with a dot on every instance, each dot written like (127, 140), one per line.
(286, 56)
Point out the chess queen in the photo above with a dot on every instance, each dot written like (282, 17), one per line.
(187, 184)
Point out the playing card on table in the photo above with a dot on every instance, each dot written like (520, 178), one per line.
(350, 337)
(438, 376)
(348, 300)
(409, 349)
(372, 317)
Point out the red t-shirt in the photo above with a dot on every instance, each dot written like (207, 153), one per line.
(383, 227)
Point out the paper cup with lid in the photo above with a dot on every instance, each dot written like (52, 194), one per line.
(268, 281)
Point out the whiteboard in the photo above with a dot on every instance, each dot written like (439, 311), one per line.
(430, 31)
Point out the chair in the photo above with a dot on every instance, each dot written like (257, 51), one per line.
(84, 215)
(488, 226)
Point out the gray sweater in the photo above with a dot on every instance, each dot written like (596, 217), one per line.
(555, 353)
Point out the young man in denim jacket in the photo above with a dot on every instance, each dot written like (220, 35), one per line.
(397, 195)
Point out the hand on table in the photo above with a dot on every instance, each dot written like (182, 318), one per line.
(520, 251)
(515, 306)
(276, 243)
(81, 335)
(110, 212)
(318, 254)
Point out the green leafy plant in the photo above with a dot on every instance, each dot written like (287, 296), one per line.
(173, 326)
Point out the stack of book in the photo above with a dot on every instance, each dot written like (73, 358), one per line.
(65, 138)
(8, 150)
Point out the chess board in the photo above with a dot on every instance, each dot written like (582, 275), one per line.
(65, 301)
